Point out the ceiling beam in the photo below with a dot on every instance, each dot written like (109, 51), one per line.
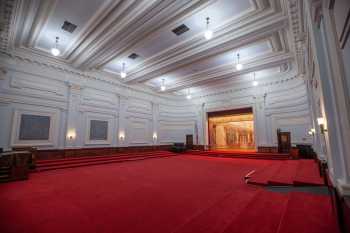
(129, 27)
(227, 71)
(226, 40)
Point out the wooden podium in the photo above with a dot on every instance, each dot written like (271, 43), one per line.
(284, 142)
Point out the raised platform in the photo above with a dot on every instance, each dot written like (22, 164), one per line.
(240, 154)
(302, 172)
(54, 164)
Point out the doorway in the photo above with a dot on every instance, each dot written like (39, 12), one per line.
(231, 130)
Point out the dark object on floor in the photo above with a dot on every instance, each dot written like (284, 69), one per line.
(14, 165)
(178, 147)
(306, 151)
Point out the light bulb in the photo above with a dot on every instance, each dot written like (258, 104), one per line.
(255, 83)
(123, 74)
(55, 52)
(239, 66)
(189, 97)
(162, 88)
(208, 34)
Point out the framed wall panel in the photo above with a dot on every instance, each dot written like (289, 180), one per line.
(99, 128)
(35, 127)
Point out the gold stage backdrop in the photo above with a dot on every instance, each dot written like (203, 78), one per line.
(232, 132)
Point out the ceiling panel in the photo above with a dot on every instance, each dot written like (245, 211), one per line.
(219, 12)
(67, 10)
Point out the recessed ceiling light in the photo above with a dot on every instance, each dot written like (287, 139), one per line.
(208, 34)
(55, 51)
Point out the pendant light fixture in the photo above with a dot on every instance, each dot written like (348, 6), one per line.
(255, 83)
(239, 66)
(123, 72)
(188, 96)
(162, 87)
(55, 51)
(208, 34)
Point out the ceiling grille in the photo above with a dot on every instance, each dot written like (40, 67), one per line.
(180, 29)
(69, 27)
(133, 56)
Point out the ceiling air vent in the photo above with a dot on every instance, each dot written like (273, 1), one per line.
(69, 27)
(133, 56)
(180, 29)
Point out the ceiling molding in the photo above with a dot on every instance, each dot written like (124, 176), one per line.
(227, 71)
(230, 40)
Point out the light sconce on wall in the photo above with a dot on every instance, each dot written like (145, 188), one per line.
(312, 132)
(155, 137)
(55, 51)
(208, 34)
(71, 135)
(321, 122)
(121, 136)
(239, 66)
(123, 72)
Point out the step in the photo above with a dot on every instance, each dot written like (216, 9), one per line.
(308, 213)
(308, 174)
(219, 215)
(97, 163)
(261, 177)
(101, 156)
(263, 214)
(104, 158)
(286, 173)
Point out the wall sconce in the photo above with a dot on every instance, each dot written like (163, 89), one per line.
(312, 132)
(321, 122)
(71, 134)
(121, 136)
(155, 137)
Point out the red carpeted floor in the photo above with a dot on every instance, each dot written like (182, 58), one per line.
(174, 194)
(301, 172)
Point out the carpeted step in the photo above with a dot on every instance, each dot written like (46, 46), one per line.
(263, 214)
(308, 213)
(308, 173)
(46, 161)
(89, 159)
(261, 177)
(221, 214)
(285, 174)
(117, 160)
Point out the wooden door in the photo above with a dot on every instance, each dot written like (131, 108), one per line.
(189, 141)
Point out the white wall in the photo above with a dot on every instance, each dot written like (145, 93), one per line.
(72, 100)
(282, 103)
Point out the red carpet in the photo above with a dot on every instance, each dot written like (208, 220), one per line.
(240, 154)
(300, 172)
(53, 164)
(175, 194)
(308, 213)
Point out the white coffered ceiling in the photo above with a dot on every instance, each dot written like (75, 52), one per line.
(108, 31)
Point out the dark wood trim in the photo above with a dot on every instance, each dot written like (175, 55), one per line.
(230, 112)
